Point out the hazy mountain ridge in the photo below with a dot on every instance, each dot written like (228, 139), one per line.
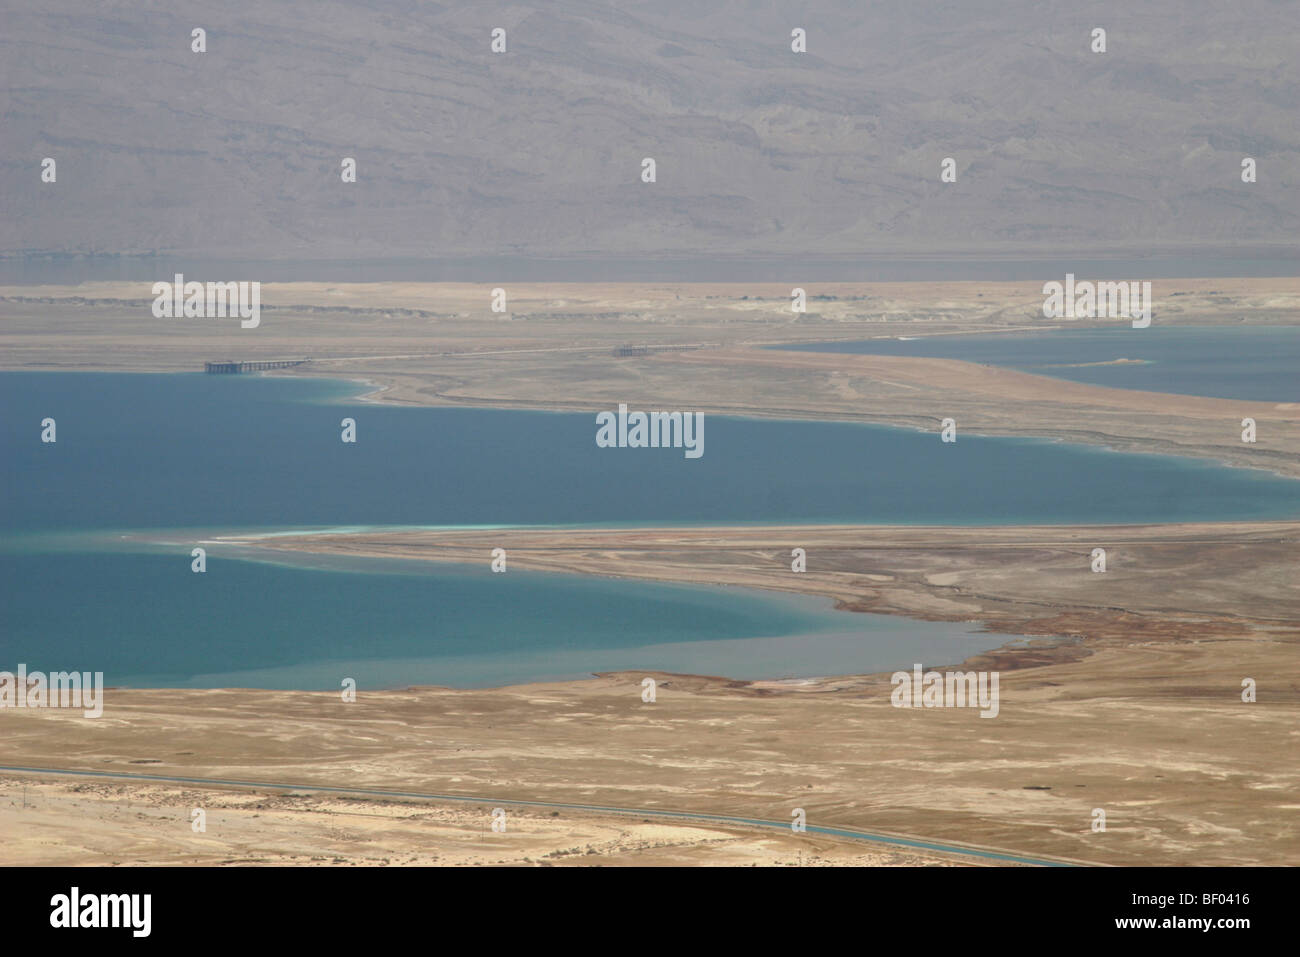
(236, 151)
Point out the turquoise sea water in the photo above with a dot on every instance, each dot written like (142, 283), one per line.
(222, 452)
(146, 620)
(1261, 363)
(95, 574)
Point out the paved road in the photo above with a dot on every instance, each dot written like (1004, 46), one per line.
(848, 833)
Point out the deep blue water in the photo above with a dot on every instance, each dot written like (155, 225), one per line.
(222, 452)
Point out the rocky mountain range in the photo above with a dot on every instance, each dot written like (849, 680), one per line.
(538, 151)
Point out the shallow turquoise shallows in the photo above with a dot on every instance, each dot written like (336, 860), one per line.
(146, 620)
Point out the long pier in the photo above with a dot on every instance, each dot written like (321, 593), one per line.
(235, 368)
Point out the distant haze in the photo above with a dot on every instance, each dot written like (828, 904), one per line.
(235, 153)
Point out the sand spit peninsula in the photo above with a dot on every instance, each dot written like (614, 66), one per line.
(1163, 582)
